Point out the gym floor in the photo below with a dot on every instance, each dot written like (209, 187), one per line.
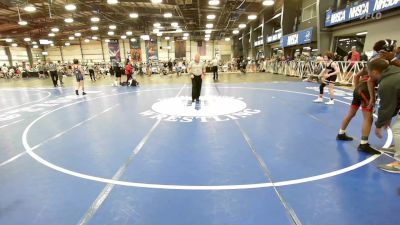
(254, 151)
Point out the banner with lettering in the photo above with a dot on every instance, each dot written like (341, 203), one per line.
(136, 51)
(370, 9)
(151, 50)
(113, 50)
(298, 38)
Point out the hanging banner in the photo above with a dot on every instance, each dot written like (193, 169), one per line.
(180, 48)
(136, 51)
(113, 50)
(151, 50)
(299, 38)
(370, 9)
(201, 48)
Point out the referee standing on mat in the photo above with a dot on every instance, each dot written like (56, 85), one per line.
(197, 71)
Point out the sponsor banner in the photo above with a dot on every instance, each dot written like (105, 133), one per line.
(180, 48)
(298, 38)
(113, 50)
(151, 50)
(201, 48)
(274, 37)
(362, 10)
(136, 51)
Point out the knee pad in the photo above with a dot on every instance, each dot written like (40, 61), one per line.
(321, 88)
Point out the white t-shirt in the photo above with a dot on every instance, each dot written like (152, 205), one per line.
(215, 62)
(196, 68)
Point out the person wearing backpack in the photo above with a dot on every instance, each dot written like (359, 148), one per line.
(78, 72)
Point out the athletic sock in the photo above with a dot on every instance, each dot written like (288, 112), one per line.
(342, 131)
(364, 140)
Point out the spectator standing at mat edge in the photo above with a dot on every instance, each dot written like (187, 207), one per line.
(78, 72)
(197, 70)
(388, 77)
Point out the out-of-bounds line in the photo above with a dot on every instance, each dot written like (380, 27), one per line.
(182, 187)
(110, 186)
(6, 125)
(27, 103)
(56, 136)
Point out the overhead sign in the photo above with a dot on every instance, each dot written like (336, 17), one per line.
(258, 43)
(363, 10)
(298, 38)
(274, 37)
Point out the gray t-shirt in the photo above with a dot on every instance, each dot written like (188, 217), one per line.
(196, 68)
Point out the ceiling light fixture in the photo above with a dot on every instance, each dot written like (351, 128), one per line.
(87, 40)
(174, 24)
(207, 35)
(94, 38)
(208, 31)
(52, 34)
(70, 7)
(268, 2)
(186, 34)
(167, 38)
(71, 38)
(22, 23)
(55, 29)
(112, 2)
(9, 40)
(95, 19)
(27, 39)
(211, 17)
(235, 31)
(111, 33)
(94, 28)
(156, 31)
(227, 39)
(133, 39)
(213, 2)
(206, 39)
(185, 38)
(78, 34)
(157, 25)
(35, 43)
(129, 33)
(209, 25)
(30, 8)
(252, 17)
(123, 36)
(112, 27)
(35, 46)
(14, 44)
(66, 44)
(179, 30)
(167, 15)
(156, 1)
(69, 20)
(159, 34)
(107, 40)
(242, 25)
(133, 15)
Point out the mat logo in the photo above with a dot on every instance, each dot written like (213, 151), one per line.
(36, 108)
(210, 108)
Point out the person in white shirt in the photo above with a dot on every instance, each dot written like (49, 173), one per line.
(197, 70)
(215, 68)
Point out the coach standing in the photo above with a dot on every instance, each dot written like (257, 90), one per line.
(197, 71)
(53, 73)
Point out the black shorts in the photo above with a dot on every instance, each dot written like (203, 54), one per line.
(361, 97)
(331, 79)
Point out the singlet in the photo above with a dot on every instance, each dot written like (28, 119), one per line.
(330, 68)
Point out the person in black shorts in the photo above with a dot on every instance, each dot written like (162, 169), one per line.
(362, 96)
(330, 74)
(79, 73)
